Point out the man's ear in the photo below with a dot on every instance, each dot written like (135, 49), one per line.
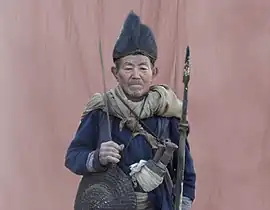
(155, 71)
(114, 72)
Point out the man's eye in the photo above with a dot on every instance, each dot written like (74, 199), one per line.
(144, 68)
(128, 69)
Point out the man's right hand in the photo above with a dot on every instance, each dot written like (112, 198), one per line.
(109, 152)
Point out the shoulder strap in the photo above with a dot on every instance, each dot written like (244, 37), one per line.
(162, 133)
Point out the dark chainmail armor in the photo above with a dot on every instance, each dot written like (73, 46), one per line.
(111, 190)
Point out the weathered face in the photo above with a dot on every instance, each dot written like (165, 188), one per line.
(135, 74)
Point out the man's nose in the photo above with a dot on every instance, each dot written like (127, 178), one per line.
(136, 73)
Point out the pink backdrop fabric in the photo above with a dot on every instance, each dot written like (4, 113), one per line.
(50, 67)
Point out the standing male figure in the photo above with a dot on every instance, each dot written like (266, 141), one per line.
(136, 144)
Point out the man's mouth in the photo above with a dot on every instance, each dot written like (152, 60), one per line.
(136, 85)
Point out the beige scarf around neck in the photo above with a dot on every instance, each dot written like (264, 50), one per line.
(161, 101)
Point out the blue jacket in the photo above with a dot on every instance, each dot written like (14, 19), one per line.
(87, 139)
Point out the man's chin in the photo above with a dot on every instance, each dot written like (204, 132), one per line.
(136, 94)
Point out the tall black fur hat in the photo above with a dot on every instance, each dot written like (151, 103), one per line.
(135, 38)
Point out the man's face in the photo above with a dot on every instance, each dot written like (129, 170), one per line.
(135, 74)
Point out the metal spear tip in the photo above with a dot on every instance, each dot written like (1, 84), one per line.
(187, 53)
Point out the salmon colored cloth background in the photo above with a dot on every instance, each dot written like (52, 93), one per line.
(50, 67)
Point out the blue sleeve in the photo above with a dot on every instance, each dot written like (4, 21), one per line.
(190, 174)
(84, 142)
